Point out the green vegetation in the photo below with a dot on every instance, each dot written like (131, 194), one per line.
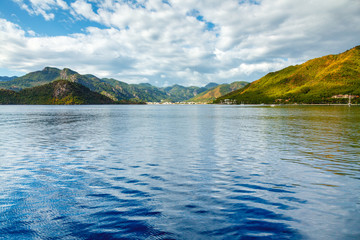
(315, 81)
(217, 91)
(4, 79)
(114, 89)
(61, 92)
(32, 79)
(177, 93)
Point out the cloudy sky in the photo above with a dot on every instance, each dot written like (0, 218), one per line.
(163, 42)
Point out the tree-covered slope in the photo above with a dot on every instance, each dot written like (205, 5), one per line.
(315, 81)
(111, 88)
(32, 79)
(217, 91)
(57, 92)
(178, 93)
(5, 78)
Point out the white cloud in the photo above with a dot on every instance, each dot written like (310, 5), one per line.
(42, 7)
(31, 33)
(84, 9)
(191, 42)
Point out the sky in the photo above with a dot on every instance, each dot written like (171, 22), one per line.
(166, 42)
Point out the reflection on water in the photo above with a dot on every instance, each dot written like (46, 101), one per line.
(179, 172)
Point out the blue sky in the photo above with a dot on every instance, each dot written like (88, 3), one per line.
(188, 42)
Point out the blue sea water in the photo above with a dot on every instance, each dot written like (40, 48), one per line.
(179, 172)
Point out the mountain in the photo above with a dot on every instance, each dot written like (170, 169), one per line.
(4, 78)
(217, 91)
(178, 93)
(108, 88)
(59, 92)
(211, 85)
(32, 79)
(111, 88)
(328, 79)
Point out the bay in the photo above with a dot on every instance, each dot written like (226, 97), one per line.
(179, 172)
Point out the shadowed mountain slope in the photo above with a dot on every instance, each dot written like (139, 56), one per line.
(60, 92)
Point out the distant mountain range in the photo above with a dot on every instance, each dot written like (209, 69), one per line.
(328, 79)
(217, 91)
(114, 89)
(4, 79)
(57, 92)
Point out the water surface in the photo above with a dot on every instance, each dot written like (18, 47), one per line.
(179, 172)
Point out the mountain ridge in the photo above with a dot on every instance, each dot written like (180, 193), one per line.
(6, 78)
(59, 92)
(217, 91)
(112, 88)
(318, 80)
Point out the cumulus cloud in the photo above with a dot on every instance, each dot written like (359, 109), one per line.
(42, 7)
(190, 42)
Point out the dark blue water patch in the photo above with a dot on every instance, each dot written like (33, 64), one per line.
(132, 181)
(190, 206)
(156, 189)
(18, 231)
(119, 178)
(242, 191)
(120, 226)
(158, 178)
(243, 227)
(201, 212)
(153, 164)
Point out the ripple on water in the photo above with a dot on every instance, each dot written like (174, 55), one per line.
(165, 172)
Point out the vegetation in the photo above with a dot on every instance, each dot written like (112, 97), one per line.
(217, 91)
(315, 81)
(32, 79)
(4, 79)
(114, 89)
(60, 92)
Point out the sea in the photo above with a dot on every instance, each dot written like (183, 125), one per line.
(179, 172)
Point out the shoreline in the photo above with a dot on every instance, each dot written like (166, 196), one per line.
(189, 104)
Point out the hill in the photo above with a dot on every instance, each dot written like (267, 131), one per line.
(217, 91)
(4, 78)
(178, 93)
(111, 88)
(328, 79)
(60, 92)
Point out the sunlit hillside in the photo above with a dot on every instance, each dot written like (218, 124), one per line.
(320, 80)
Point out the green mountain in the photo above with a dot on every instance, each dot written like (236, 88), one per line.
(217, 91)
(4, 78)
(111, 88)
(108, 87)
(32, 79)
(211, 85)
(178, 93)
(328, 79)
(59, 92)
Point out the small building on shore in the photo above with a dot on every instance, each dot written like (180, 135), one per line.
(345, 96)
